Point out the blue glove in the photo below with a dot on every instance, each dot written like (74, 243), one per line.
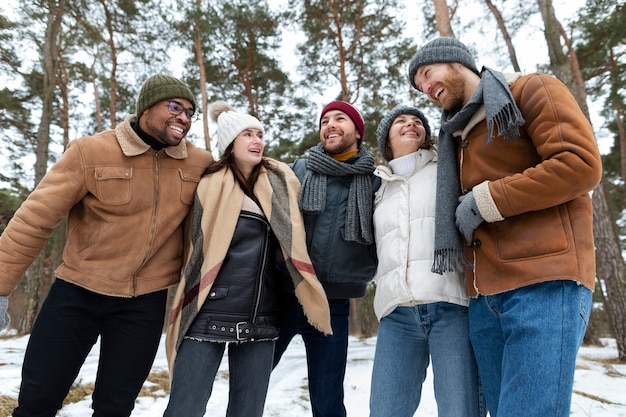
(468, 216)
(4, 316)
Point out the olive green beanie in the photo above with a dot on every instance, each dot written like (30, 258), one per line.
(162, 87)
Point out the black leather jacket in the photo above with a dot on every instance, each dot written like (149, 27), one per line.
(243, 302)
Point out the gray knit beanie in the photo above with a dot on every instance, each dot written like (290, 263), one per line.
(440, 50)
(382, 132)
(162, 87)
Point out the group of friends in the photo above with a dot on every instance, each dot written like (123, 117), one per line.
(480, 247)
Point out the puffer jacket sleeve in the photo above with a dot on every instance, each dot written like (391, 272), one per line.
(33, 223)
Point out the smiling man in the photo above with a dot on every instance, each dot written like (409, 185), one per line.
(336, 200)
(517, 159)
(125, 193)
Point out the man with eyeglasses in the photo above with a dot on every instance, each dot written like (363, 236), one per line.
(125, 193)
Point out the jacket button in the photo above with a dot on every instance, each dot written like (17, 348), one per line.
(465, 143)
(477, 243)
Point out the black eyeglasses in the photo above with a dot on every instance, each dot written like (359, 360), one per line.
(175, 108)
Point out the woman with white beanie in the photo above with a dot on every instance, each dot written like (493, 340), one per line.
(423, 315)
(245, 223)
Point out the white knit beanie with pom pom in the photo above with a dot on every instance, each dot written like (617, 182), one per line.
(230, 123)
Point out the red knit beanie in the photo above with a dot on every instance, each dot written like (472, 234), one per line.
(348, 109)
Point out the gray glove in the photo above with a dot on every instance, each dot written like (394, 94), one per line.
(468, 216)
(4, 316)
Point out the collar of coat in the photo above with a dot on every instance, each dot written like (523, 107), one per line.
(132, 145)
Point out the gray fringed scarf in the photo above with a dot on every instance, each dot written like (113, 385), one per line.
(500, 109)
(359, 206)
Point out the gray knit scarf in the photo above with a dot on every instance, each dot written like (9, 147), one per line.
(500, 109)
(358, 226)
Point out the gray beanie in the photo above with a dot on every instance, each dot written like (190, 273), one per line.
(230, 123)
(382, 132)
(162, 87)
(441, 50)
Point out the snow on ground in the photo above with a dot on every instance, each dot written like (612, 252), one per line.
(599, 386)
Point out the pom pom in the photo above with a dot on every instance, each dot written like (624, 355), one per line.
(217, 108)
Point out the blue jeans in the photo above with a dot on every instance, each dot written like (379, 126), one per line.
(526, 341)
(326, 355)
(249, 369)
(70, 321)
(407, 338)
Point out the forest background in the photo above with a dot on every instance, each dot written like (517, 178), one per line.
(73, 68)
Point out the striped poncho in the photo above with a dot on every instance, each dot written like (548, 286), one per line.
(209, 229)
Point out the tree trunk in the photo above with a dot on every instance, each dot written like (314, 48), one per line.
(610, 264)
(363, 321)
(113, 77)
(200, 60)
(505, 34)
(610, 268)
(443, 18)
(40, 268)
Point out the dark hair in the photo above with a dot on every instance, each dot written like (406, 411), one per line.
(227, 160)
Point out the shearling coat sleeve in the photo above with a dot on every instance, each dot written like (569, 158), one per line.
(35, 220)
(557, 161)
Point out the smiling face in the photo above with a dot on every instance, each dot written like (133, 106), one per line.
(167, 128)
(248, 150)
(448, 85)
(338, 132)
(406, 134)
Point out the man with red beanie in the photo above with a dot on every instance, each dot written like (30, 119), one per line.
(336, 199)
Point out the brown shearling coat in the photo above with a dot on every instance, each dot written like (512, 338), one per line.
(533, 192)
(126, 204)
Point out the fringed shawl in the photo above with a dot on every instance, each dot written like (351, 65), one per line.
(209, 229)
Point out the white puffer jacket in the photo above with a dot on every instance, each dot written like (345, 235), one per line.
(404, 224)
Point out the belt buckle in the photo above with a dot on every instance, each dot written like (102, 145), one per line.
(239, 331)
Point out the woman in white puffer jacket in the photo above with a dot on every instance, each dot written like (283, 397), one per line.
(423, 315)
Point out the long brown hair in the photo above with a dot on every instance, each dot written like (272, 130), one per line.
(227, 161)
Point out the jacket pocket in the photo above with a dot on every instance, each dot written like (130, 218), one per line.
(113, 184)
(535, 234)
(189, 182)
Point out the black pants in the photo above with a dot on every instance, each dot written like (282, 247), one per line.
(70, 321)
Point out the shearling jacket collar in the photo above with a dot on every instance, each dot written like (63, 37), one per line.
(132, 145)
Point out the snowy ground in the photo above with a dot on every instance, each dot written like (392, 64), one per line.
(598, 390)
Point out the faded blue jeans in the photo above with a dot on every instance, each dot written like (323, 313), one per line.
(197, 363)
(407, 339)
(526, 341)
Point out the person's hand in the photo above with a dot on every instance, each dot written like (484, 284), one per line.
(467, 216)
(4, 316)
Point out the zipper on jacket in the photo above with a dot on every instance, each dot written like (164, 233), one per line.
(261, 271)
(261, 275)
(155, 209)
